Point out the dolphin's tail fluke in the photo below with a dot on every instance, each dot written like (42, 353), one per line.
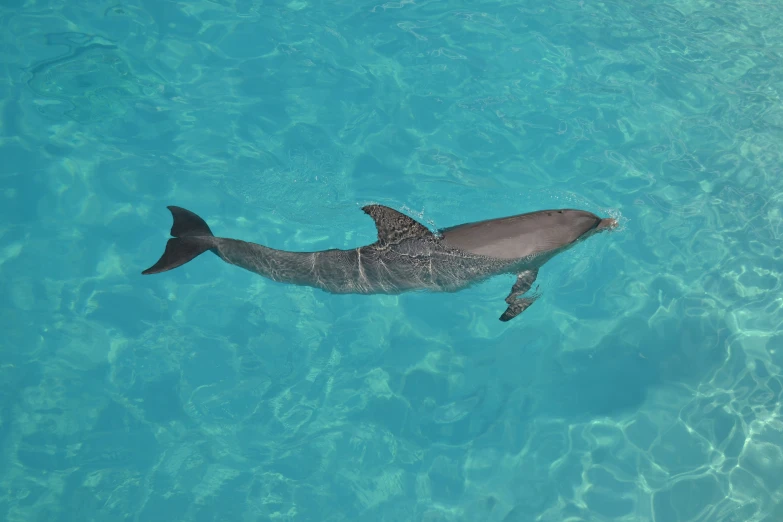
(192, 237)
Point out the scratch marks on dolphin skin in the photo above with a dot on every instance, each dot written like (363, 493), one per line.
(362, 275)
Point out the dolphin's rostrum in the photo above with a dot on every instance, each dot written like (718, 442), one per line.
(407, 255)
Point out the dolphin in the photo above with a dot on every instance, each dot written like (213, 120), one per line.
(407, 255)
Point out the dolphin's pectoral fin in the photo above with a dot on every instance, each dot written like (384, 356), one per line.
(523, 283)
(517, 305)
(394, 226)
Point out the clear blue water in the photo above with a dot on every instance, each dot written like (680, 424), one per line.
(645, 385)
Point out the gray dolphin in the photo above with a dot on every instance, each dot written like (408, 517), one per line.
(407, 255)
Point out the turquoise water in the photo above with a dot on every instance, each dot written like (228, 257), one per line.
(644, 385)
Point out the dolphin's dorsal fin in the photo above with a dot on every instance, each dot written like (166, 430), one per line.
(394, 226)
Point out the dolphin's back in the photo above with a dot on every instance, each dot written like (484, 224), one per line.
(523, 235)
